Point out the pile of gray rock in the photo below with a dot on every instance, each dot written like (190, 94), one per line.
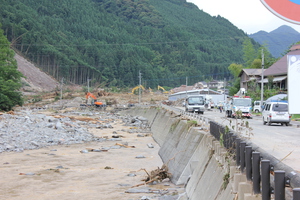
(28, 129)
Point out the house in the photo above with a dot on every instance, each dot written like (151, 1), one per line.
(278, 71)
(248, 75)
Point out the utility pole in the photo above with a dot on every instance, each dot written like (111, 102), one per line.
(262, 78)
(140, 84)
(88, 80)
(186, 82)
(61, 86)
(224, 84)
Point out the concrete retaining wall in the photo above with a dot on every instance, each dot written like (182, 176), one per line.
(193, 156)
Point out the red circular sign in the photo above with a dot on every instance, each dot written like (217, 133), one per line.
(288, 10)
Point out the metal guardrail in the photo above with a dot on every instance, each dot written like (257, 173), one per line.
(257, 169)
(251, 162)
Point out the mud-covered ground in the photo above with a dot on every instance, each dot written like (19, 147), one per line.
(108, 167)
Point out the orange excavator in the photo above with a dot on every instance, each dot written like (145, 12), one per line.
(94, 101)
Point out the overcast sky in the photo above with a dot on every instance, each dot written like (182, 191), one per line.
(249, 15)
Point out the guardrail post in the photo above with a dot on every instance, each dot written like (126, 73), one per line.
(238, 158)
(242, 155)
(265, 180)
(230, 139)
(279, 189)
(248, 153)
(233, 143)
(256, 172)
(296, 193)
(226, 138)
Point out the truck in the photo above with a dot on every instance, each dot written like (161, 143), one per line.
(195, 103)
(238, 102)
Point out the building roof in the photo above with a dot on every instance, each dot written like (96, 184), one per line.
(280, 67)
(251, 72)
(182, 88)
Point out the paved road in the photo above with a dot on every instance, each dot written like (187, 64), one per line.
(282, 142)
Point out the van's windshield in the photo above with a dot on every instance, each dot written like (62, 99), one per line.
(195, 100)
(280, 107)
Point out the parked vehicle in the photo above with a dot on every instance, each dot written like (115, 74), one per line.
(208, 102)
(212, 104)
(195, 103)
(276, 112)
(258, 107)
(238, 102)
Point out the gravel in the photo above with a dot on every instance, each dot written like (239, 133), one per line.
(28, 129)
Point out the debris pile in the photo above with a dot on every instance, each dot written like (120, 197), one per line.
(157, 175)
(28, 129)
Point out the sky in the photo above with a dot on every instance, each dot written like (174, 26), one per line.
(249, 15)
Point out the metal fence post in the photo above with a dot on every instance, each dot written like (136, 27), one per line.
(230, 139)
(248, 154)
(233, 144)
(256, 172)
(242, 155)
(279, 189)
(296, 193)
(238, 158)
(265, 180)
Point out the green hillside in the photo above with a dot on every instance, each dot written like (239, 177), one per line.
(110, 41)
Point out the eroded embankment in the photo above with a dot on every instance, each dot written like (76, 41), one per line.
(193, 156)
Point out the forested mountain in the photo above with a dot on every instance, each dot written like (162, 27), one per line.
(110, 41)
(277, 41)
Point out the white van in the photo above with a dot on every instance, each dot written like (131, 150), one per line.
(257, 107)
(276, 112)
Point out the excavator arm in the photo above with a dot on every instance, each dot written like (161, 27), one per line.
(164, 91)
(137, 87)
(88, 94)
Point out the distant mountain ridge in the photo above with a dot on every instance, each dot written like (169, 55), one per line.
(277, 41)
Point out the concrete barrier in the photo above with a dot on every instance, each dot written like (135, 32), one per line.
(194, 157)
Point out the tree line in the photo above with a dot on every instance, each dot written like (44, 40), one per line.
(110, 41)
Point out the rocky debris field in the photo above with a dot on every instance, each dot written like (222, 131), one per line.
(29, 129)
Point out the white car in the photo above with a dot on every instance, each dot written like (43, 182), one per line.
(257, 106)
(276, 112)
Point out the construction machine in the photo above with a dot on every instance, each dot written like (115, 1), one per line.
(150, 90)
(137, 87)
(91, 100)
(164, 91)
